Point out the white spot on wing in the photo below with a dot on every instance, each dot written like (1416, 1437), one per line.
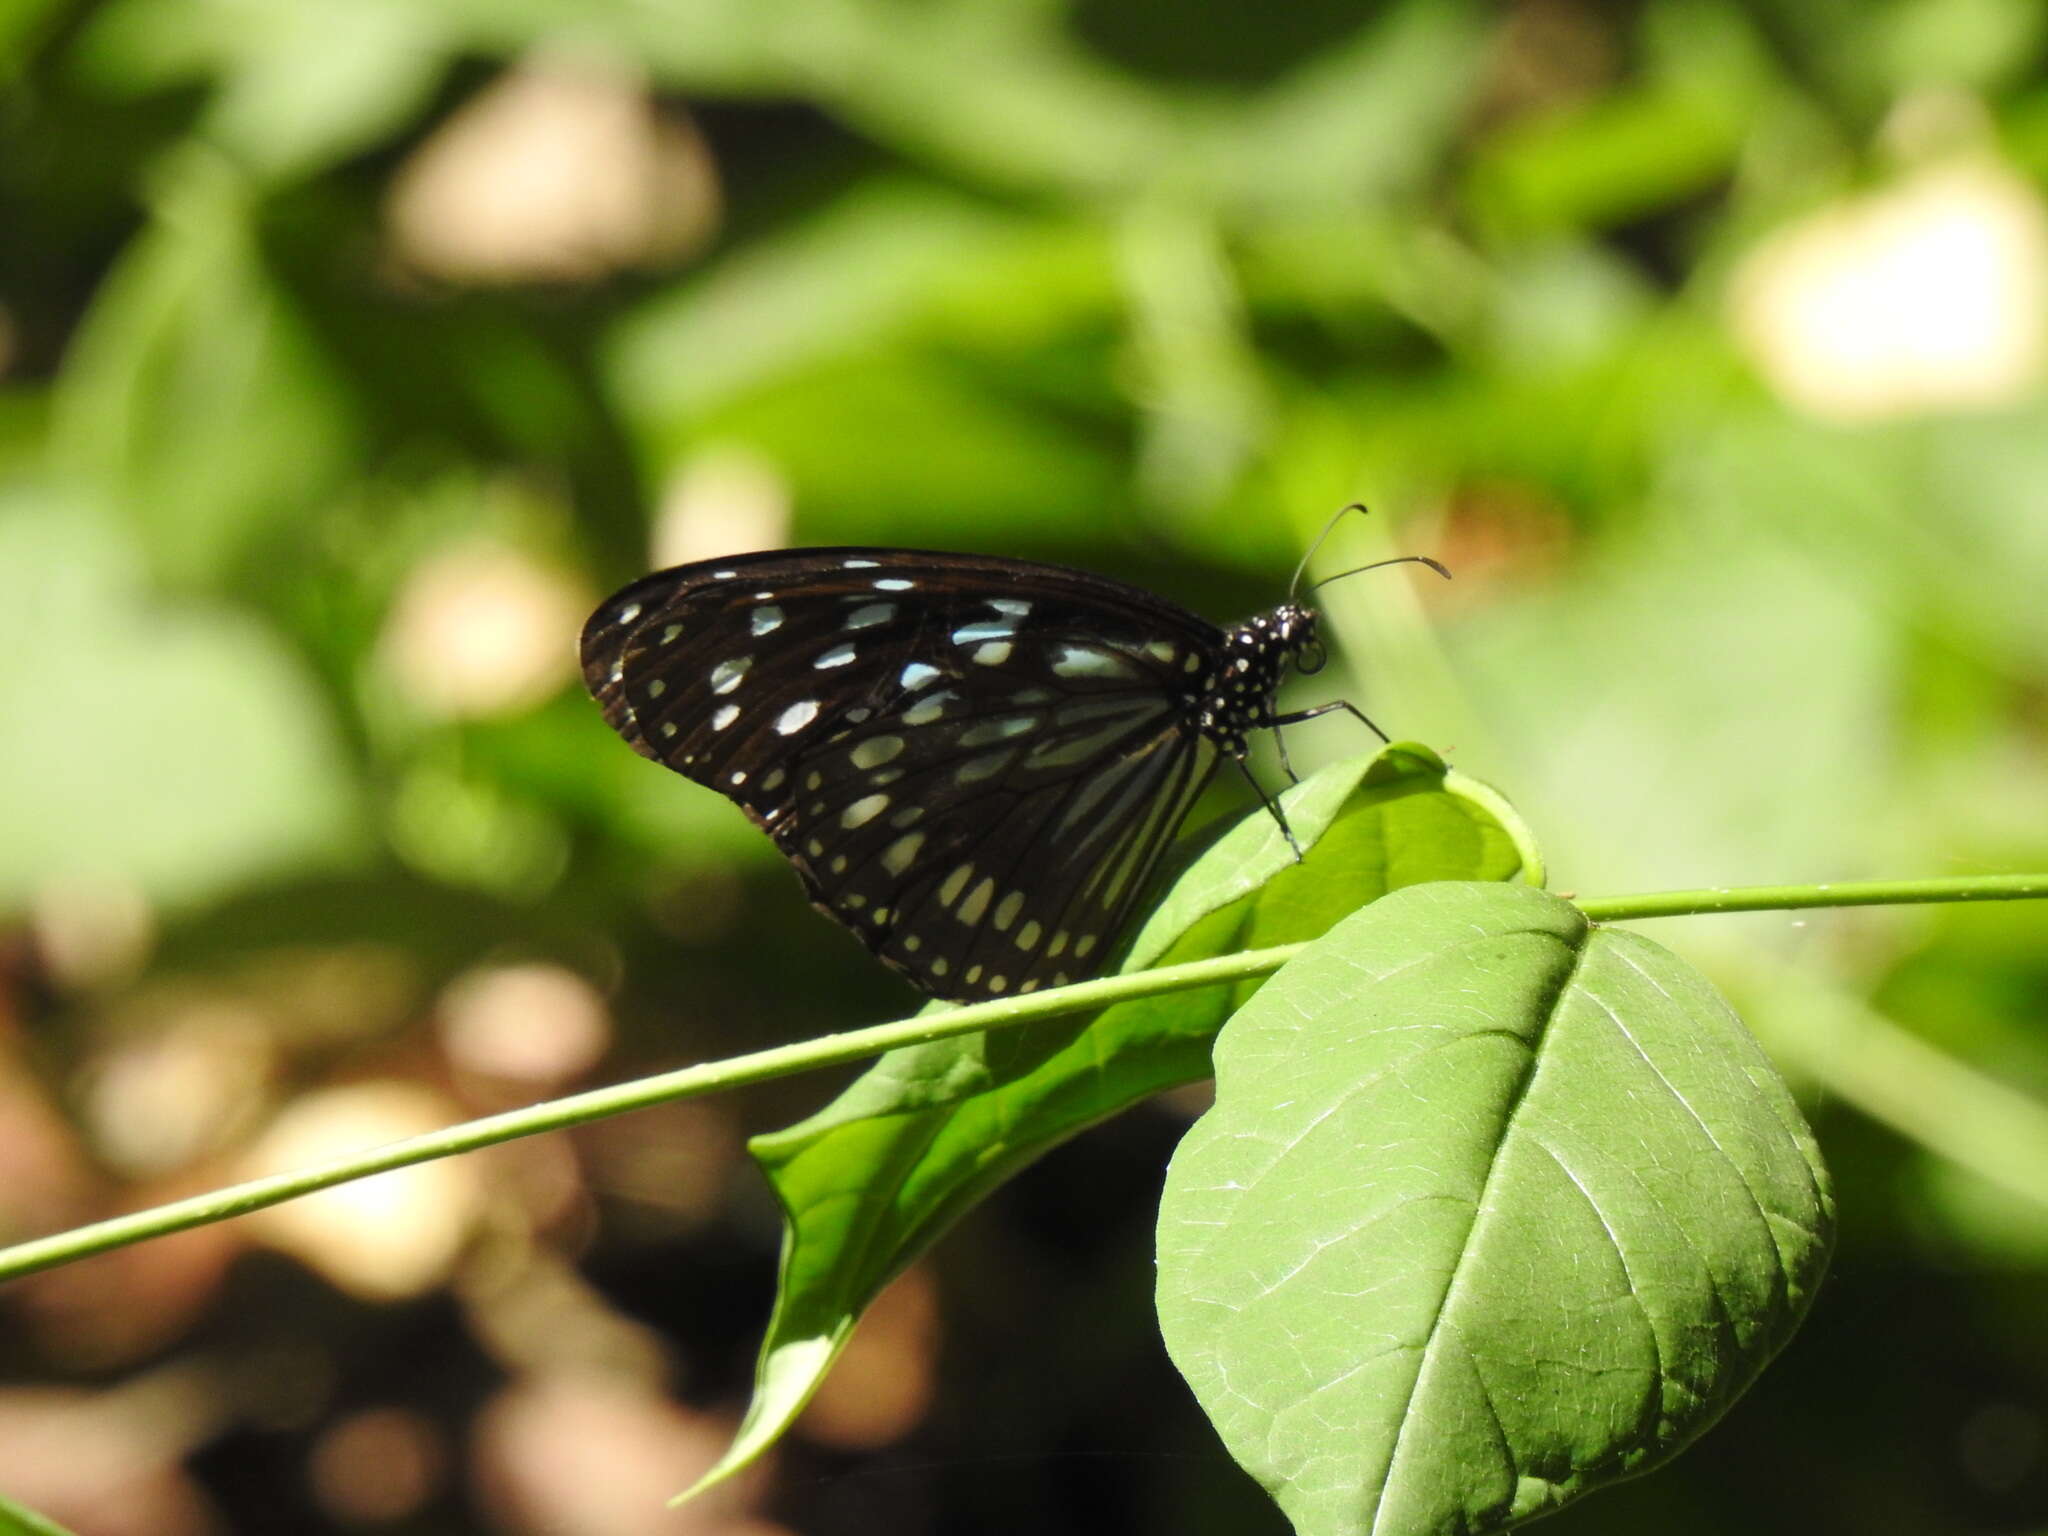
(727, 713)
(796, 717)
(1016, 608)
(993, 654)
(1089, 661)
(955, 883)
(975, 769)
(902, 853)
(838, 656)
(629, 613)
(766, 619)
(1007, 910)
(860, 565)
(875, 751)
(727, 674)
(871, 615)
(863, 811)
(986, 629)
(891, 584)
(1001, 729)
(977, 901)
(917, 674)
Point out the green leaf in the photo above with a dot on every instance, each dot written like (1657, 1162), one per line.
(175, 746)
(22, 24)
(874, 1178)
(193, 398)
(1493, 1207)
(16, 1521)
(848, 278)
(295, 88)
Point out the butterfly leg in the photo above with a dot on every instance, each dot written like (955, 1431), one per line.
(1272, 805)
(1286, 767)
(1323, 709)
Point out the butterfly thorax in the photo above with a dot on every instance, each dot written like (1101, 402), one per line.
(1254, 658)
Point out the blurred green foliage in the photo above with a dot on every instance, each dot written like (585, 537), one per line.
(298, 511)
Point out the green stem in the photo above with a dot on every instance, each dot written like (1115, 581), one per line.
(600, 1103)
(855, 1045)
(1780, 898)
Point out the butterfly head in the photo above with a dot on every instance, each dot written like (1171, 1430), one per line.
(1286, 637)
(1294, 631)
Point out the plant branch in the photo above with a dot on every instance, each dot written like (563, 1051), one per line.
(600, 1103)
(855, 1045)
(1782, 898)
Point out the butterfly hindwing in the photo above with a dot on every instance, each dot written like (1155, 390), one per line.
(972, 763)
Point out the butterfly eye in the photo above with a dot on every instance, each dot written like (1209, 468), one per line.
(1311, 658)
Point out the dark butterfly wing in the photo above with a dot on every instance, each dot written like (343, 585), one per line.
(974, 763)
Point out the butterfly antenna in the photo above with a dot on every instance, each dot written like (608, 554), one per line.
(1434, 565)
(1293, 586)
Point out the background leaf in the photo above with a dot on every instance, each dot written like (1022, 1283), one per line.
(177, 749)
(1492, 1208)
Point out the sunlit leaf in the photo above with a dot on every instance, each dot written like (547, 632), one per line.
(294, 87)
(1493, 1207)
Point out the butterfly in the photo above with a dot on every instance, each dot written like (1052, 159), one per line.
(972, 762)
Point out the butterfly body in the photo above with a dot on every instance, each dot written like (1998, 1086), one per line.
(974, 763)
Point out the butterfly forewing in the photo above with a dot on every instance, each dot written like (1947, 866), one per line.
(972, 763)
